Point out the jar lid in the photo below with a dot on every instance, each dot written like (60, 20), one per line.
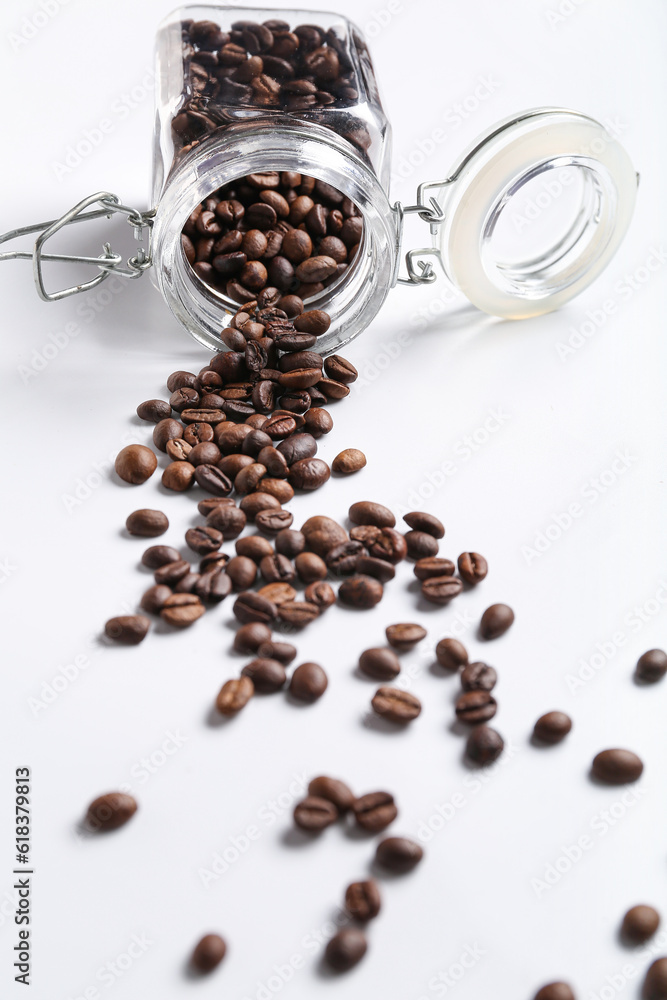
(534, 211)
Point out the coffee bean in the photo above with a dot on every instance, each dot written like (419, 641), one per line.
(208, 504)
(617, 767)
(154, 598)
(441, 589)
(309, 474)
(476, 706)
(333, 790)
(655, 983)
(234, 695)
(495, 621)
(552, 727)
(451, 654)
(360, 591)
(208, 953)
(110, 811)
(421, 545)
(178, 450)
(342, 558)
(332, 390)
(313, 321)
(309, 682)
(179, 476)
(315, 814)
(187, 584)
(242, 571)
(404, 636)
(478, 677)
(396, 705)
(284, 652)
(318, 421)
(472, 567)
(380, 663)
(368, 512)
(203, 540)
(251, 607)
(380, 569)
(420, 521)
(213, 561)
(212, 417)
(484, 745)
(277, 568)
(322, 534)
(374, 811)
(347, 948)
(213, 586)
(398, 854)
(341, 370)
(320, 595)
(229, 520)
(135, 464)
(298, 614)
(159, 555)
(555, 991)
(348, 461)
(266, 675)
(427, 568)
(147, 523)
(273, 521)
(182, 610)
(255, 547)
(362, 900)
(640, 924)
(166, 430)
(127, 629)
(251, 636)
(154, 410)
(254, 504)
(651, 666)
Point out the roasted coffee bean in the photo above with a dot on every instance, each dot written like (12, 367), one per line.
(347, 948)
(552, 727)
(213, 586)
(249, 478)
(178, 449)
(441, 589)
(274, 461)
(476, 706)
(320, 595)
(341, 370)
(368, 512)
(655, 983)
(273, 521)
(398, 854)
(147, 523)
(348, 461)
(309, 474)
(322, 534)
(298, 447)
(253, 504)
(421, 545)
(425, 569)
(251, 636)
(172, 573)
(420, 521)
(208, 504)
(451, 654)
(404, 636)
(389, 545)
(127, 629)
(203, 540)
(182, 610)
(154, 598)
(555, 991)
(315, 814)
(179, 476)
(651, 666)
(159, 555)
(284, 652)
(187, 584)
(484, 745)
(184, 399)
(375, 811)
(179, 379)
(478, 677)
(154, 410)
(495, 621)
(380, 663)
(367, 534)
(135, 464)
(640, 924)
(234, 695)
(300, 361)
(332, 390)
(318, 421)
(213, 560)
(362, 900)
(277, 568)
(396, 705)
(342, 558)
(380, 569)
(254, 546)
(290, 543)
(242, 571)
(250, 607)
(617, 767)
(278, 593)
(208, 953)
(309, 682)
(205, 453)
(229, 437)
(229, 520)
(472, 567)
(195, 434)
(360, 591)
(310, 567)
(333, 790)
(108, 812)
(266, 675)
(298, 614)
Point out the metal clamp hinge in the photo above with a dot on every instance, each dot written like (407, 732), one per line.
(420, 271)
(108, 263)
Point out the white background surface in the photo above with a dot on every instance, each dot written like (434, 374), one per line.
(563, 421)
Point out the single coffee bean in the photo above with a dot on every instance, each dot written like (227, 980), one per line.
(478, 677)
(404, 636)
(178, 450)
(476, 706)
(342, 558)
(213, 586)
(340, 370)
(484, 745)
(127, 629)
(380, 663)
(229, 520)
(179, 476)
(135, 464)
(420, 521)
(380, 569)
(346, 948)
(309, 474)
(322, 534)
(284, 652)
(154, 598)
(277, 568)
(333, 790)
(251, 607)
(255, 547)
(154, 410)
(188, 583)
(655, 983)
(495, 621)
(208, 504)
(651, 666)
(313, 321)
(552, 727)
(279, 489)
(362, 900)
(242, 571)
(421, 545)
(318, 420)
(253, 504)
(348, 461)
(389, 545)
(298, 614)
(309, 682)
(212, 479)
(315, 814)
(203, 540)
(320, 594)
(297, 446)
(266, 675)
(396, 705)
(367, 512)
(398, 854)
(425, 569)
(213, 560)
(360, 591)
(251, 636)
(640, 924)
(172, 573)
(555, 991)
(375, 811)
(179, 379)
(182, 610)
(208, 953)
(451, 654)
(441, 589)
(234, 695)
(166, 430)
(183, 399)
(147, 523)
(272, 521)
(108, 812)
(472, 567)
(159, 555)
(617, 767)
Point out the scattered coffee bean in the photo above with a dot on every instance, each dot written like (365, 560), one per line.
(147, 523)
(135, 464)
(617, 767)
(421, 545)
(154, 410)
(251, 607)
(368, 512)
(203, 540)
(404, 636)
(182, 610)
(396, 705)
(360, 591)
(346, 949)
(451, 654)
(478, 677)
(655, 983)
(430, 567)
(266, 675)
(375, 811)
(172, 573)
(242, 571)
(380, 663)
(154, 598)
(348, 461)
(398, 854)
(320, 595)
(298, 614)
(420, 521)
(284, 652)
(640, 924)
(555, 991)
(159, 555)
(314, 814)
(250, 637)
(651, 666)
(310, 567)
(208, 953)
(322, 534)
(333, 790)
(484, 745)
(472, 567)
(552, 727)
(476, 706)
(309, 682)
(234, 695)
(213, 586)
(127, 629)
(495, 621)
(108, 812)
(379, 569)
(362, 900)
(441, 589)
(179, 476)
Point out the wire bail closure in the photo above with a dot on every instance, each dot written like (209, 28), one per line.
(108, 263)
(420, 271)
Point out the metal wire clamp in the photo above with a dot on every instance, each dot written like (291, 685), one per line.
(421, 272)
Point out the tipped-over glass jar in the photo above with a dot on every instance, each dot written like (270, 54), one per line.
(271, 177)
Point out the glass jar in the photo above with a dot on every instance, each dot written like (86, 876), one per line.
(244, 92)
